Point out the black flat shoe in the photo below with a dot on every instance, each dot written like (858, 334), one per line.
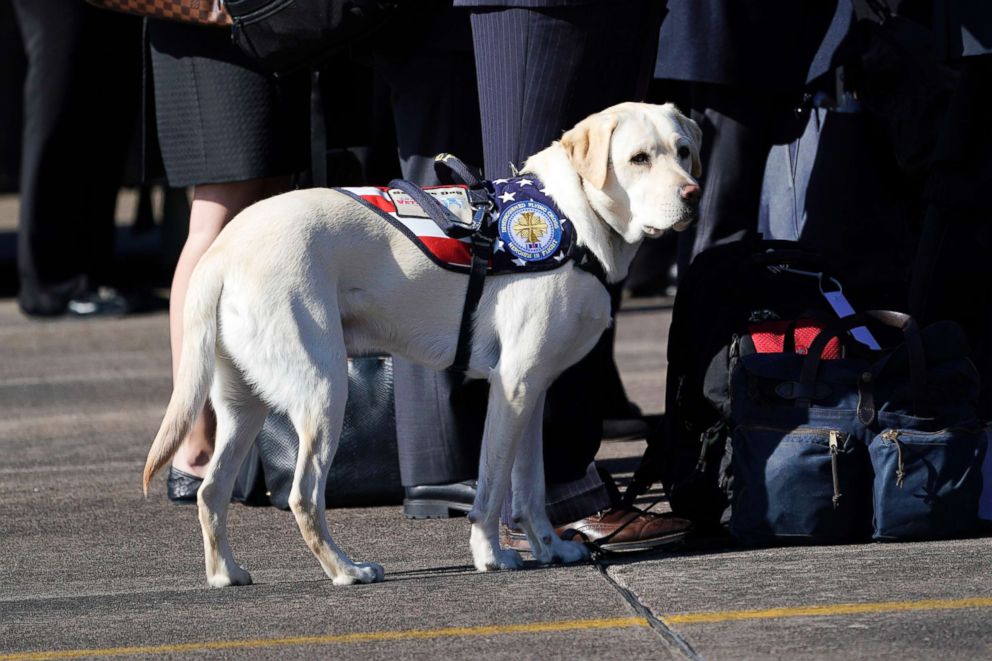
(182, 487)
(100, 302)
(439, 501)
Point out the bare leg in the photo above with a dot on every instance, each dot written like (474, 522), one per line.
(214, 205)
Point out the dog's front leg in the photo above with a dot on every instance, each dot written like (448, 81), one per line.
(512, 400)
(529, 507)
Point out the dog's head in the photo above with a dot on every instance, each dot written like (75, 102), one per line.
(638, 163)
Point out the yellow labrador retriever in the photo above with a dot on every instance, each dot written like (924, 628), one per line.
(300, 281)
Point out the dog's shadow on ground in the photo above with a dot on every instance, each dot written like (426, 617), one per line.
(456, 570)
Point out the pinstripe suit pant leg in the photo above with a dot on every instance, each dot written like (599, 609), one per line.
(540, 72)
(432, 91)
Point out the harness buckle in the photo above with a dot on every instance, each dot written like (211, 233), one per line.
(481, 213)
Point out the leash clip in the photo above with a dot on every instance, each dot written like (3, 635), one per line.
(481, 214)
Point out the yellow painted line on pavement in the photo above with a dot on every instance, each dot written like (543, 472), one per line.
(535, 627)
(372, 636)
(827, 609)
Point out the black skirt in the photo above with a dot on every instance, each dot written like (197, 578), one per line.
(220, 119)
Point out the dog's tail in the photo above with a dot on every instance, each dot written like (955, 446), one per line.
(196, 365)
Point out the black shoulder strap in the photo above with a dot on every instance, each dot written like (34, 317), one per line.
(587, 261)
(452, 170)
(482, 249)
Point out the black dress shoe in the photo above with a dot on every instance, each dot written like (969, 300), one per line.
(439, 501)
(182, 487)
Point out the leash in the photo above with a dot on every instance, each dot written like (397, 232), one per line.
(596, 546)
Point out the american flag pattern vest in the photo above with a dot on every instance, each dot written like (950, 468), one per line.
(528, 230)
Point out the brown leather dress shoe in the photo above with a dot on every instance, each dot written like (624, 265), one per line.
(621, 530)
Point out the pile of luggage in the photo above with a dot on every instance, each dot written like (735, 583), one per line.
(792, 418)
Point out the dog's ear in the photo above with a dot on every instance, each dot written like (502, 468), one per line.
(695, 135)
(588, 147)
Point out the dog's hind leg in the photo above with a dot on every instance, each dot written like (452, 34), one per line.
(513, 398)
(240, 415)
(529, 510)
(318, 424)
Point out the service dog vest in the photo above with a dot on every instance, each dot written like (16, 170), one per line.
(528, 230)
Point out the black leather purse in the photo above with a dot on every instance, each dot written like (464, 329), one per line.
(283, 36)
(366, 468)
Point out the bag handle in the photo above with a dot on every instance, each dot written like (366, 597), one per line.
(914, 348)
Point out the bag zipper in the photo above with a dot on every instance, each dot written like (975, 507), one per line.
(892, 435)
(813, 431)
(834, 443)
(835, 439)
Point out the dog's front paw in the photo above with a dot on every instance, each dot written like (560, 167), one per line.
(233, 575)
(362, 572)
(551, 549)
(569, 551)
(507, 559)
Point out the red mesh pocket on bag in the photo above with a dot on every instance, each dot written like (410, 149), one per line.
(769, 337)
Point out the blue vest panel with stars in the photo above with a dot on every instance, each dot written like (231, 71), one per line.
(529, 231)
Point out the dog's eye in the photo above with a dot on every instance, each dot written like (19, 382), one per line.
(683, 153)
(640, 158)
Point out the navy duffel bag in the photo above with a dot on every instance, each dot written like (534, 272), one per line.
(882, 444)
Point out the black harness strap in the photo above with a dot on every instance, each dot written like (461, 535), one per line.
(451, 169)
(588, 262)
(482, 249)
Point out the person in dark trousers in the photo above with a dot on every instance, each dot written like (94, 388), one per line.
(543, 66)
(81, 97)
(747, 63)
(430, 73)
(952, 278)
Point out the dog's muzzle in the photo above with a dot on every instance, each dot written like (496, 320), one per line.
(684, 223)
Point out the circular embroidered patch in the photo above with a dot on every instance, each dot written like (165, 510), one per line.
(530, 230)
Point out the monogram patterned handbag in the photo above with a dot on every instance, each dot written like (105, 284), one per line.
(202, 12)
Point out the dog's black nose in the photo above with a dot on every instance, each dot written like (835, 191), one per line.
(691, 193)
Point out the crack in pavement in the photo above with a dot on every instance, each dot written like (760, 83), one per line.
(675, 645)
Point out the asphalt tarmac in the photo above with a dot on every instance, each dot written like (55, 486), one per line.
(89, 568)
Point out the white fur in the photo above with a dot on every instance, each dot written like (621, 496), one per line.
(300, 281)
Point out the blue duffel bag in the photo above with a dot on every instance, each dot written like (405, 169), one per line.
(882, 444)
(926, 443)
